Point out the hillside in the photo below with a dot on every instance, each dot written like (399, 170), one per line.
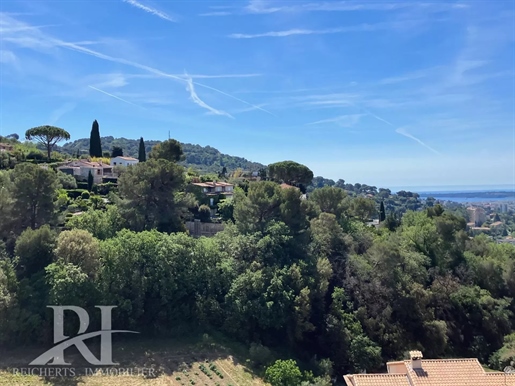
(190, 361)
(202, 158)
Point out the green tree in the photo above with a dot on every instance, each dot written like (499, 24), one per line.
(332, 200)
(80, 248)
(290, 172)
(102, 224)
(152, 194)
(35, 250)
(95, 145)
(34, 191)
(261, 205)
(170, 150)
(204, 213)
(382, 212)
(48, 136)
(284, 373)
(226, 209)
(142, 154)
(67, 181)
(116, 152)
(90, 181)
(68, 284)
(363, 208)
(6, 203)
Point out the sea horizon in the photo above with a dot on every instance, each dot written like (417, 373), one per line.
(455, 188)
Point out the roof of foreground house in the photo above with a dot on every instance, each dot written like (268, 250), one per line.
(433, 372)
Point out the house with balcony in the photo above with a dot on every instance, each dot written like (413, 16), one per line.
(80, 169)
(216, 188)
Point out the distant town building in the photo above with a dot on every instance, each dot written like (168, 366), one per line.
(503, 207)
(476, 215)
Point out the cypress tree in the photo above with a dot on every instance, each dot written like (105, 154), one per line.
(382, 212)
(90, 181)
(95, 146)
(142, 155)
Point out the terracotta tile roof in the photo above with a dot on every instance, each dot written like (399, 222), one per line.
(377, 380)
(447, 372)
(434, 372)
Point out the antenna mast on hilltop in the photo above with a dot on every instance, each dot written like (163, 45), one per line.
(168, 134)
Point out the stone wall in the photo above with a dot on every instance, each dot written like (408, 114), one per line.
(198, 229)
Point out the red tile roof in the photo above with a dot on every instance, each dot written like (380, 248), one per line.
(377, 380)
(434, 372)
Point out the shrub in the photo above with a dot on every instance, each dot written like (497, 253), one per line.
(283, 373)
(73, 208)
(74, 193)
(204, 213)
(67, 180)
(105, 188)
(85, 195)
(82, 185)
(35, 155)
(260, 355)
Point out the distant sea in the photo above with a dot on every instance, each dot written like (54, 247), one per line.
(456, 193)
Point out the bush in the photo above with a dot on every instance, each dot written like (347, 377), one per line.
(204, 213)
(73, 208)
(260, 355)
(283, 373)
(74, 193)
(82, 204)
(67, 180)
(85, 195)
(35, 155)
(82, 185)
(105, 188)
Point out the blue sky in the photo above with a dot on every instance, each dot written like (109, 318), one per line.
(384, 93)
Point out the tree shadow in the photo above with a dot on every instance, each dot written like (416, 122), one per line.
(147, 358)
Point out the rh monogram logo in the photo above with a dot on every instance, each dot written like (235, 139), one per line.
(62, 342)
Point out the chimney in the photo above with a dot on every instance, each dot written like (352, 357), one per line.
(416, 360)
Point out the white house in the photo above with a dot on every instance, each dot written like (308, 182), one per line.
(123, 161)
(80, 170)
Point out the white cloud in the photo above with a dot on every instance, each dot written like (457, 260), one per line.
(219, 13)
(150, 10)
(114, 96)
(342, 120)
(195, 98)
(402, 131)
(40, 41)
(112, 81)
(291, 32)
(262, 7)
(7, 57)
(59, 112)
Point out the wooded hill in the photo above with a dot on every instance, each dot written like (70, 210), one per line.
(203, 158)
